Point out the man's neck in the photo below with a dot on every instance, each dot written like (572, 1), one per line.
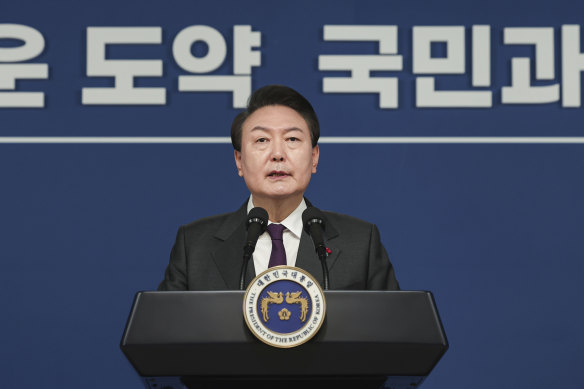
(278, 209)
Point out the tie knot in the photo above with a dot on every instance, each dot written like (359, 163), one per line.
(275, 231)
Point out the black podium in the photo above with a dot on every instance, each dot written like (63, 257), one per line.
(369, 339)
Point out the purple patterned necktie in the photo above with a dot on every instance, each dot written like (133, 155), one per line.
(278, 255)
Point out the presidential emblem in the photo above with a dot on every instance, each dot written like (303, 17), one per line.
(284, 306)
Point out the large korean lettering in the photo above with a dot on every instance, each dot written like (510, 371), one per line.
(521, 90)
(244, 58)
(12, 68)
(361, 66)
(453, 63)
(124, 71)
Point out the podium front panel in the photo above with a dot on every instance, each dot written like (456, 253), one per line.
(203, 334)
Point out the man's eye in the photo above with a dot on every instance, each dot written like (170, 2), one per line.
(293, 139)
(261, 140)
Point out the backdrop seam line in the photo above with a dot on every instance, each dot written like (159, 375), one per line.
(330, 140)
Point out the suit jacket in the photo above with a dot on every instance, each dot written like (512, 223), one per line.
(208, 255)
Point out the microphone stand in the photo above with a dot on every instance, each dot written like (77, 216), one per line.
(246, 256)
(313, 221)
(321, 251)
(257, 221)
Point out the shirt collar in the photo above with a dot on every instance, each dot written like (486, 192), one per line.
(293, 222)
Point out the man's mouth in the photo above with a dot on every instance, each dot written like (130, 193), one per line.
(278, 173)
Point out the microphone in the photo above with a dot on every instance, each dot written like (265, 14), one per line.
(256, 224)
(314, 224)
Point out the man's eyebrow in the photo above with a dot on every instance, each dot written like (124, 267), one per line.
(293, 129)
(260, 128)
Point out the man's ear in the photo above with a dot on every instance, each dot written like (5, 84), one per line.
(315, 156)
(237, 155)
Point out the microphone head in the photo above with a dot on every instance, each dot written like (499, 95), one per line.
(310, 216)
(257, 215)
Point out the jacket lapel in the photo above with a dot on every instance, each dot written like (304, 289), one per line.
(229, 256)
(307, 258)
(331, 240)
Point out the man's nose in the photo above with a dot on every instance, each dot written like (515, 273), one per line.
(277, 157)
(278, 152)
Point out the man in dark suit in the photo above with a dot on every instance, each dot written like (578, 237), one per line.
(276, 152)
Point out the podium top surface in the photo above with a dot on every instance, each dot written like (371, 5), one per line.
(204, 333)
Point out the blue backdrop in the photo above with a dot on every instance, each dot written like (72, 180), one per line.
(491, 225)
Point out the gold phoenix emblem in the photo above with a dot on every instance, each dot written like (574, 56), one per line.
(273, 298)
(277, 298)
(294, 298)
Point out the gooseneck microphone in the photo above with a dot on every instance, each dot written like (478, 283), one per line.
(313, 221)
(256, 224)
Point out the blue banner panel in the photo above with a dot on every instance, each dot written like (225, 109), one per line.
(455, 126)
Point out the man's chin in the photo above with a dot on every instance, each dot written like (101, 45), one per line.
(279, 194)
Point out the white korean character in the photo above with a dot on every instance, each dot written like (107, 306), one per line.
(453, 63)
(124, 92)
(521, 91)
(11, 69)
(361, 66)
(244, 58)
(572, 65)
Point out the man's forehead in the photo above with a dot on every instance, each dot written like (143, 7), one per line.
(275, 117)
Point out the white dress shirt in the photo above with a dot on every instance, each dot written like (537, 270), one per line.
(291, 238)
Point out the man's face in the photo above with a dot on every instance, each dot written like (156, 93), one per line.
(277, 158)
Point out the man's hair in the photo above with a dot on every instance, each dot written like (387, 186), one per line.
(270, 95)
